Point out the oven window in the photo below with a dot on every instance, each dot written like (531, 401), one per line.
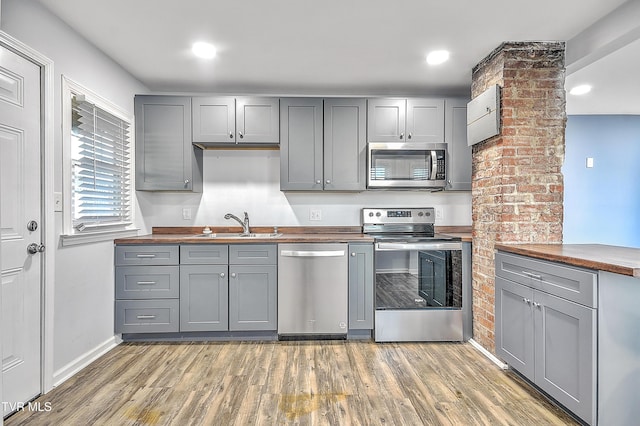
(419, 279)
(400, 165)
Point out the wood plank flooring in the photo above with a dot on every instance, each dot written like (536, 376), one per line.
(298, 383)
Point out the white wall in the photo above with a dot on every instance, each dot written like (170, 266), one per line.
(237, 181)
(84, 292)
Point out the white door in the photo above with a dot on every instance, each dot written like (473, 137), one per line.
(20, 190)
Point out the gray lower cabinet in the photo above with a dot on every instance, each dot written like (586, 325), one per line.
(204, 287)
(253, 287)
(323, 144)
(361, 287)
(546, 316)
(146, 288)
(166, 159)
(459, 153)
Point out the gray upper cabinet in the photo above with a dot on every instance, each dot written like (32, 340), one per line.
(323, 144)
(386, 120)
(425, 120)
(222, 120)
(345, 144)
(459, 159)
(405, 120)
(166, 160)
(214, 119)
(301, 162)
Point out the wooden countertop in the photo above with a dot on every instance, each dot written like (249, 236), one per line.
(290, 234)
(618, 260)
(192, 235)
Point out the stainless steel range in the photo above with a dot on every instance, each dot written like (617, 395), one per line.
(422, 280)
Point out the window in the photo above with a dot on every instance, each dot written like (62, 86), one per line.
(98, 165)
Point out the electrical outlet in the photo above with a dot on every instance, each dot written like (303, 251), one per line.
(439, 213)
(315, 214)
(589, 162)
(186, 214)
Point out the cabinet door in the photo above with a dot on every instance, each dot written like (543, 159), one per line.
(459, 154)
(166, 160)
(253, 297)
(214, 119)
(514, 326)
(361, 286)
(257, 120)
(425, 120)
(301, 144)
(565, 353)
(386, 120)
(204, 295)
(345, 144)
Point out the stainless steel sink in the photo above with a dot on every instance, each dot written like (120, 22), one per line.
(222, 235)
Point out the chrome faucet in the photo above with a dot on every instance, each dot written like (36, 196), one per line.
(244, 224)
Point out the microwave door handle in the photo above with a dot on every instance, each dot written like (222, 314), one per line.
(434, 165)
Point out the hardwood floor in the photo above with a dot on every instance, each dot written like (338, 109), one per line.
(302, 383)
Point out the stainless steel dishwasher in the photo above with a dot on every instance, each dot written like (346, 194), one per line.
(312, 290)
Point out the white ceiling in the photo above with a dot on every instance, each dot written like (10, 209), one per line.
(340, 47)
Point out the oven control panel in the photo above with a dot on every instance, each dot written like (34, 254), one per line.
(402, 215)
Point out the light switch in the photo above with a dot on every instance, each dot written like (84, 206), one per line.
(186, 214)
(57, 201)
(315, 214)
(589, 162)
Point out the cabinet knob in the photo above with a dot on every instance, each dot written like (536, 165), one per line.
(353, 255)
(328, 181)
(221, 274)
(318, 182)
(409, 136)
(231, 135)
(241, 135)
(186, 181)
(233, 275)
(401, 135)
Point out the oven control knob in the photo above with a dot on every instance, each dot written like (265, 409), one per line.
(378, 214)
(420, 214)
(370, 214)
(428, 214)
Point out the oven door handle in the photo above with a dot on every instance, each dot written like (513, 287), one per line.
(419, 246)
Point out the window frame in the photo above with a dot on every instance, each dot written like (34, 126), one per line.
(71, 235)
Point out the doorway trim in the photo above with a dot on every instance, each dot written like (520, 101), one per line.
(47, 282)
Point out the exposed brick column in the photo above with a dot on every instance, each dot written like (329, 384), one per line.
(517, 189)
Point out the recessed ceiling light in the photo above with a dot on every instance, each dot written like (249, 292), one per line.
(203, 50)
(437, 57)
(580, 90)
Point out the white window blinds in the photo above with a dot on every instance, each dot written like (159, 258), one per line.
(100, 170)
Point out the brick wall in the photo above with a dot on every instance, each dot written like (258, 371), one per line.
(517, 189)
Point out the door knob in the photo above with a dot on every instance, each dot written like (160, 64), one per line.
(34, 248)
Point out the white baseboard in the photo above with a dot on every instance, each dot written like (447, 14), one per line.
(488, 354)
(69, 370)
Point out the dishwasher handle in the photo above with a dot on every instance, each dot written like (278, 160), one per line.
(312, 253)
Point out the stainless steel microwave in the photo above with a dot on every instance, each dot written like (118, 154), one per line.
(407, 165)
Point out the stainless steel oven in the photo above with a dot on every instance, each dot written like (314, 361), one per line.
(407, 165)
(422, 279)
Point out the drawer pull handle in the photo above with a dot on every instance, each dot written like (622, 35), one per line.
(146, 317)
(532, 275)
(146, 255)
(527, 301)
(146, 282)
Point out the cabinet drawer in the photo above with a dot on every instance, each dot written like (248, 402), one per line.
(568, 282)
(253, 254)
(147, 282)
(147, 255)
(147, 316)
(204, 254)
